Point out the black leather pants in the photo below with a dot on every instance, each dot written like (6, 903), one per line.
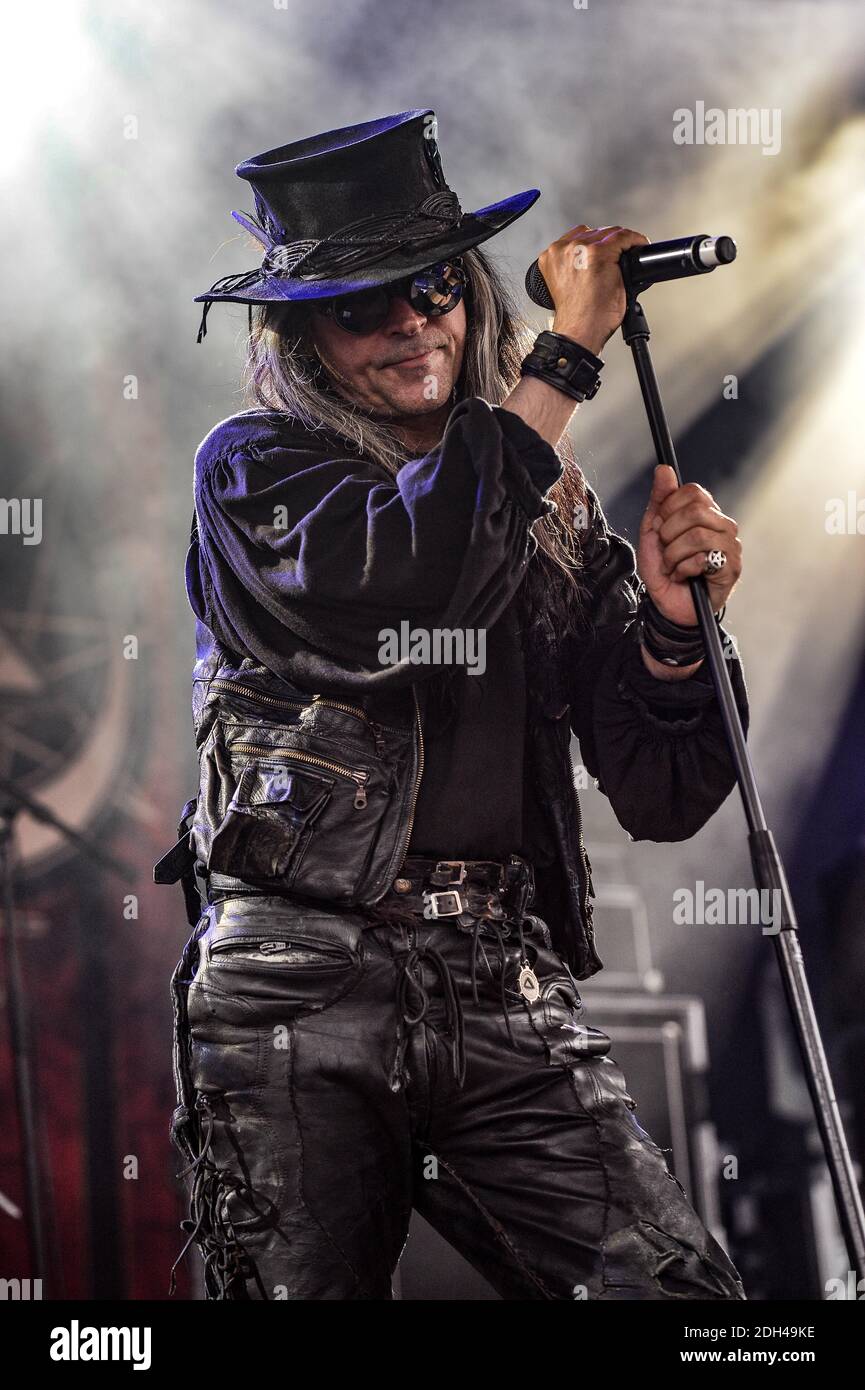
(333, 1074)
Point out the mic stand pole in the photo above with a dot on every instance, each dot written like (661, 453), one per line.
(12, 800)
(768, 869)
(19, 1039)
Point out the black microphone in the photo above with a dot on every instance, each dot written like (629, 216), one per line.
(642, 266)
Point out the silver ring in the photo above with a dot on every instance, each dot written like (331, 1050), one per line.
(715, 561)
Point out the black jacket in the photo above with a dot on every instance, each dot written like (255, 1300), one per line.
(311, 752)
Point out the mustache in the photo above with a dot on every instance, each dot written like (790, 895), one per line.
(413, 352)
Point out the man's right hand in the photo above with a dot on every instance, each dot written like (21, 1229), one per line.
(584, 280)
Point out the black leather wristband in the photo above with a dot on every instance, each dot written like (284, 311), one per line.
(564, 364)
(670, 643)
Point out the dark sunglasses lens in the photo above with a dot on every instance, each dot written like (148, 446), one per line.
(363, 312)
(433, 291)
(438, 289)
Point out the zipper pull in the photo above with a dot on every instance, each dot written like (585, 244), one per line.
(379, 739)
(267, 948)
(360, 797)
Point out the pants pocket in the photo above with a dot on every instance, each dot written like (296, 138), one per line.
(276, 956)
(556, 1014)
(566, 1038)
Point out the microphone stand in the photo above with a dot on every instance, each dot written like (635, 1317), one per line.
(13, 800)
(768, 868)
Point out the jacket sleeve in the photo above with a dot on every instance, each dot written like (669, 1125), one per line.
(297, 541)
(656, 748)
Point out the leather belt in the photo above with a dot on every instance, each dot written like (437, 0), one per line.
(462, 889)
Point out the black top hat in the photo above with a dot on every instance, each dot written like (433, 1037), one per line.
(352, 208)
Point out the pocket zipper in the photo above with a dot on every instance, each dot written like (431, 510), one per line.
(269, 946)
(359, 777)
(234, 688)
(283, 703)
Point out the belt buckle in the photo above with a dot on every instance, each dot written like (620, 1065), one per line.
(442, 867)
(431, 903)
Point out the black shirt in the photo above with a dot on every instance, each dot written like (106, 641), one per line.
(476, 800)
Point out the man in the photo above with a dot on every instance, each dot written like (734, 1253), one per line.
(384, 865)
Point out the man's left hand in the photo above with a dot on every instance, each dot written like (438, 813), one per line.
(681, 524)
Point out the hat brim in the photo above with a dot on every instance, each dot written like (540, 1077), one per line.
(472, 229)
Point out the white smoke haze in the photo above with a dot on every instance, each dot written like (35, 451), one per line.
(107, 238)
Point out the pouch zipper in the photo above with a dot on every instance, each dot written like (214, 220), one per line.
(284, 703)
(234, 686)
(359, 777)
(373, 724)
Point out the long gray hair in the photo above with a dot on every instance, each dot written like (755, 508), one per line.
(283, 372)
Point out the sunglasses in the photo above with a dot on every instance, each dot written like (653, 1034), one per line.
(433, 292)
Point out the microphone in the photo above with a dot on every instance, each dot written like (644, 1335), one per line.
(642, 266)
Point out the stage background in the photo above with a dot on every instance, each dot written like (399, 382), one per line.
(122, 129)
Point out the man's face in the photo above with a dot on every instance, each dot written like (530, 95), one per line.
(374, 369)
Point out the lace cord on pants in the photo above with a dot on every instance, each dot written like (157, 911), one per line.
(408, 979)
(208, 1224)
